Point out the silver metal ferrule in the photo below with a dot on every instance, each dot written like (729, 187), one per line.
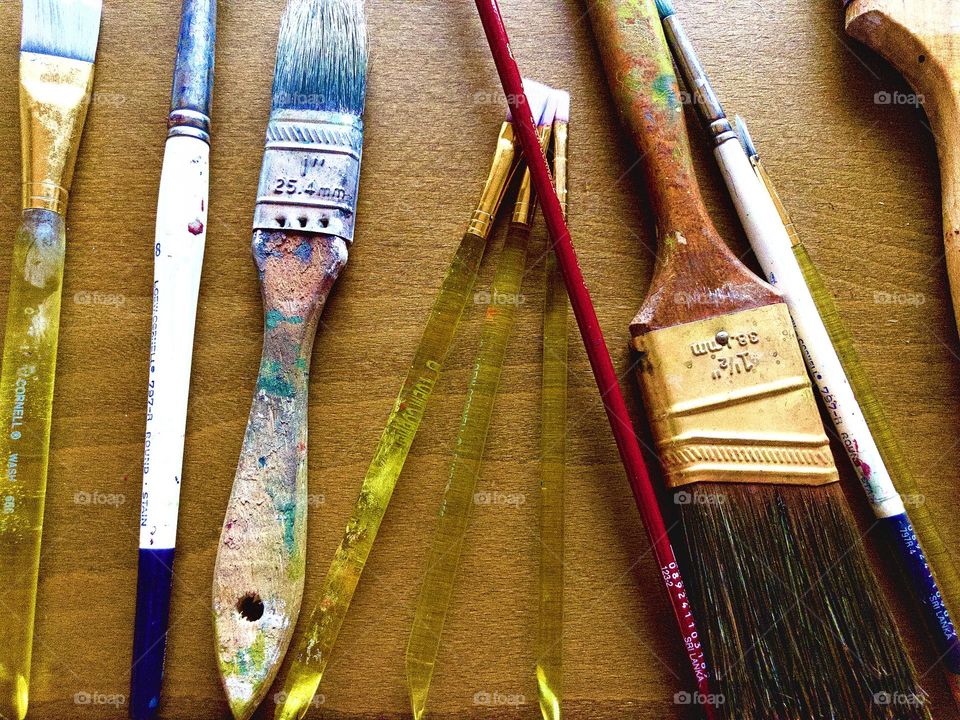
(695, 77)
(189, 123)
(311, 173)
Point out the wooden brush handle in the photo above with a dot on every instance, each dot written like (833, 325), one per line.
(258, 579)
(917, 38)
(697, 276)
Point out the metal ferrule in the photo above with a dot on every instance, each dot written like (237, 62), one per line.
(54, 97)
(695, 77)
(496, 186)
(311, 173)
(525, 207)
(193, 74)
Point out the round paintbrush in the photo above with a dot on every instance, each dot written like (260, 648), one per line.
(795, 624)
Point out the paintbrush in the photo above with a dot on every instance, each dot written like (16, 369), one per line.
(178, 259)
(57, 52)
(845, 389)
(553, 449)
(303, 226)
(795, 624)
(316, 645)
(440, 574)
(922, 40)
(596, 347)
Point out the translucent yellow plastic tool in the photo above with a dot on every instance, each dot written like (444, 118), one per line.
(437, 586)
(313, 652)
(553, 449)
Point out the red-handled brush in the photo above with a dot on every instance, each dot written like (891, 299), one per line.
(596, 346)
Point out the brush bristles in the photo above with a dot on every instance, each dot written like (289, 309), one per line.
(563, 107)
(746, 140)
(64, 28)
(537, 96)
(794, 622)
(322, 57)
(665, 8)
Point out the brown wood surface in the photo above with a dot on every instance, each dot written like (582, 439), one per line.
(860, 178)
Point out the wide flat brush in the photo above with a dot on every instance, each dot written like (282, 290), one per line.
(303, 226)
(922, 39)
(595, 345)
(795, 624)
(177, 249)
(57, 52)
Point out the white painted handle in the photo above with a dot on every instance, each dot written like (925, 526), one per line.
(771, 244)
(178, 260)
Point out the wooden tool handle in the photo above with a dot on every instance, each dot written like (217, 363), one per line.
(922, 39)
(696, 276)
(258, 580)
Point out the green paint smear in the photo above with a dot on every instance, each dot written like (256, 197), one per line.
(663, 92)
(275, 318)
(276, 385)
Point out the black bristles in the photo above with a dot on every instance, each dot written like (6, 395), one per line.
(322, 57)
(64, 28)
(794, 622)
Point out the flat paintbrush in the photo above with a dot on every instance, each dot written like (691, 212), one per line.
(795, 624)
(303, 228)
(595, 345)
(57, 52)
(178, 260)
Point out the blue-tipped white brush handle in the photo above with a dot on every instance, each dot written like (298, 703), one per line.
(178, 260)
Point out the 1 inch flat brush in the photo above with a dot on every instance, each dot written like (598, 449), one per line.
(795, 624)
(57, 53)
(303, 226)
(178, 260)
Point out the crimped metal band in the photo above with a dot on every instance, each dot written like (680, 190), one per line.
(190, 123)
(730, 401)
(311, 173)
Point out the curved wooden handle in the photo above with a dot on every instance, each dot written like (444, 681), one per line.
(916, 38)
(258, 579)
(697, 276)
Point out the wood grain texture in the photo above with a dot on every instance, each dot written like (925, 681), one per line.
(859, 178)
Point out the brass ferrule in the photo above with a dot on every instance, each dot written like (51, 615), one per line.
(560, 132)
(525, 207)
(729, 400)
(54, 97)
(761, 173)
(496, 186)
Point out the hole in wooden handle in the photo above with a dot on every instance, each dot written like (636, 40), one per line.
(250, 607)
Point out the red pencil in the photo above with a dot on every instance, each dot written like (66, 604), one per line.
(596, 346)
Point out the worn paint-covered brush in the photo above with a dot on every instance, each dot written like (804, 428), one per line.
(795, 624)
(313, 654)
(57, 53)
(178, 260)
(303, 227)
(440, 574)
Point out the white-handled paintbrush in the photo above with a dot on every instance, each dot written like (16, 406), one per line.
(181, 230)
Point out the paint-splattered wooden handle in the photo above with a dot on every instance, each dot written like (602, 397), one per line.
(696, 274)
(258, 580)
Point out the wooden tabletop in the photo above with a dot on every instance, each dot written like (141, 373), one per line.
(859, 175)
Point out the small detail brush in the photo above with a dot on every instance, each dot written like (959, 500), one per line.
(795, 624)
(57, 53)
(443, 559)
(553, 449)
(846, 392)
(178, 259)
(303, 227)
(313, 652)
(595, 345)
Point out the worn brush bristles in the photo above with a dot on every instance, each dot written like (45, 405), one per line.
(789, 594)
(538, 95)
(322, 57)
(746, 139)
(65, 28)
(665, 8)
(563, 107)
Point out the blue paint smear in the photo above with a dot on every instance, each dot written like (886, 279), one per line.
(150, 631)
(304, 252)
